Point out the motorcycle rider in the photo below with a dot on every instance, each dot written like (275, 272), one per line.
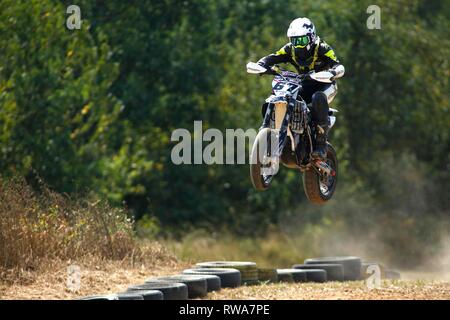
(308, 53)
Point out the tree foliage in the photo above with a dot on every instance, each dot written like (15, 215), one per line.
(93, 109)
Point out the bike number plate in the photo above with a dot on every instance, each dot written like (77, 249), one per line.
(281, 87)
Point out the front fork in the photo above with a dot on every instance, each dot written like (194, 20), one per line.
(282, 111)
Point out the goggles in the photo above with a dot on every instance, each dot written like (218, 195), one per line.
(301, 41)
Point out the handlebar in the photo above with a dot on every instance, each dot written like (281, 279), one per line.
(277, 70)
(261, 69)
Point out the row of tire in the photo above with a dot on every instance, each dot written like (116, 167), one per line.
(212, 276)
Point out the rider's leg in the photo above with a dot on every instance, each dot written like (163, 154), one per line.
(319, 114)
(307, 90)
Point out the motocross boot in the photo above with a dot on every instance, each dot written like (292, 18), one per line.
(319, 114)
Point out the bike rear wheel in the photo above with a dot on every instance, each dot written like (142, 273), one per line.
(319, 187)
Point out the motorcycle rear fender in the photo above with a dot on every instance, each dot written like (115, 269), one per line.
(332, 117)
(332, 120)
(332, 111)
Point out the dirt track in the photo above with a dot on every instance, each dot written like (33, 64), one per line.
(390, 290)
(413, 286)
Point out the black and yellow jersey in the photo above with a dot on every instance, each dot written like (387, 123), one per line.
(321, 57)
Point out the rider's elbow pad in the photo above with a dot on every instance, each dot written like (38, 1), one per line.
(340, 70)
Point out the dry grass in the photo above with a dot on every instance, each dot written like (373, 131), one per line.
(37, 229)
(41, 234)
(98, 276)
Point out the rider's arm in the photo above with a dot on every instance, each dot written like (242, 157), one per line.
(281, 56)
(328, 55)
(338, 71)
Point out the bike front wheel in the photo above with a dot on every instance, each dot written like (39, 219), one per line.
(263, 166)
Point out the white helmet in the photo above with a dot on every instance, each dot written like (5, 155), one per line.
(302, 33)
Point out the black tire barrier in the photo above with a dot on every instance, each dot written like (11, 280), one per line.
(316, 275)
(170, 290)
(297, 275)
(284, 276)
(335, 272)
(213, 282)
(245, 265)
(100, 297)
(250, 277)
(229, 278)
(147, 294)
(351, 265)
(129, 296)
(197, 285)
(248, 270)
(267, 275)
(212, 276)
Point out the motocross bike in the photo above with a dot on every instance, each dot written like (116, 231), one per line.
(287, 136)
